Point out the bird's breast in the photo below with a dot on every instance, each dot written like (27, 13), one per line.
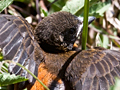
(55, 62)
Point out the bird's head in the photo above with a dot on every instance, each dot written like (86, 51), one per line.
(59, 31)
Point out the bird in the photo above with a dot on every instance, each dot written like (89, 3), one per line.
(18, 44)
(48, 52)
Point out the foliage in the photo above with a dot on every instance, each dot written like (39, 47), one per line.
(7, 79)
(25, 1)
(4, 4)
(1, 56)
(117, 85)
(104, 31)
(99, 8)
(57, 6)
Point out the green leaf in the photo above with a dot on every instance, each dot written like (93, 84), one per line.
(44, 12)
(73, 6)
(116, 86)
(76, 6)
(57, 6)
(98, 9)
(7, 79)
(54, 9)
(5, 67)
(4, 4)
(25, 1)
(105, 41)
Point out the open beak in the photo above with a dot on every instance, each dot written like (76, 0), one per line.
(90, 20)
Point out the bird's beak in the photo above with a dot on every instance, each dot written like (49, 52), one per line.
(90, 19)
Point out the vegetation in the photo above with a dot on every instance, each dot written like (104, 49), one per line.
(104, 31)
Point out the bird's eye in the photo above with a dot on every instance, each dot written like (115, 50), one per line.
(72, 30)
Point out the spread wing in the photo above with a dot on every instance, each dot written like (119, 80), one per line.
(18, 44)
(94, 69)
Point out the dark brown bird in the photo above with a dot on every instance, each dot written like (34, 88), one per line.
(60, 68)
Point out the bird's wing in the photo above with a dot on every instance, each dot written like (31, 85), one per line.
(18, 44)
(94, 69)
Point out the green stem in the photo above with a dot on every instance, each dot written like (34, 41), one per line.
(85, 24)
(4, 69)
(29, 73)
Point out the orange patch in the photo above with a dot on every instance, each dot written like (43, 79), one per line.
(60, 81)
(75, 45)
(46, 77)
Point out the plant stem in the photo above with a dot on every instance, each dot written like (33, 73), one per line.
(29, 73)
(85, 24)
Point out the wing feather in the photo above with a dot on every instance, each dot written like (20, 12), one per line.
(99, 72)
(18, 44)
